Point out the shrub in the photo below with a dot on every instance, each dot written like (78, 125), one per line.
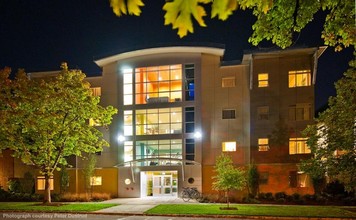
(280, 200)
(250, 200)
(269, 196)
(262, 196)
(100, 196)
(280, 195)
(14, 186)
(308, 197)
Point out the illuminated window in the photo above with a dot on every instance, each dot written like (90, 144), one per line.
(229, 146)
(96, 91)
(263, 113)
(263, 144)
(128, 93)
(228, 114)
(228, 82)
(298, 146)
(96, 181)
(41, 181)
(128, 151)
(263, 80)
(300, 112)
(128, 128)
(299, 78)
(189, 149)
(171, 149)
(299, 179)
(158, 84)
(159, 121)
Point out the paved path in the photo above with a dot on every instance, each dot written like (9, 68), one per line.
(139, 205)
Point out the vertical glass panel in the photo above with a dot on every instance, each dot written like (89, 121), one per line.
(128, 151)
(152, 76)
(128, 128)
(164, 75)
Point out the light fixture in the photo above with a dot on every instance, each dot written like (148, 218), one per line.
(121, 138)
(197, 134)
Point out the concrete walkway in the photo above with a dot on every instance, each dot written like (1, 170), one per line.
(139, 205)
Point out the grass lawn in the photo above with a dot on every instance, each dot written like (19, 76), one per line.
(256, 210)
(38, 206)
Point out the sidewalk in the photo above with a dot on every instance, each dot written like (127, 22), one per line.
(139, 205)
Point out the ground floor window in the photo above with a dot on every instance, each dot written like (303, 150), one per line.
(41, 182)
(298, 146)
(299, 179)
(96, 181)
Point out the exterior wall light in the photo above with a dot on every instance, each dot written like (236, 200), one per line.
(121, 138)
(197, 135)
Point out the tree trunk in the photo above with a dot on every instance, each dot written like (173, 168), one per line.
(227, 198)
(47, 192)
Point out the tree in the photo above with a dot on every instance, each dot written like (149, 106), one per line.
(89, 171)
(44, 121)
(253, 178)
(332, 139)
(277, 20)
(227, 176)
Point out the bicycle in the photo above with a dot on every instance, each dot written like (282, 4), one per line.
(190, 193)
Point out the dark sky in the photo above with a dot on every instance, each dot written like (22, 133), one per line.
(38, 35)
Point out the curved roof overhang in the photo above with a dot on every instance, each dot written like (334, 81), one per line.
(160, 50)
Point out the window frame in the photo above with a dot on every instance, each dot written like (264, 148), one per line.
(227, 148)
(296, 77)
(262, 80)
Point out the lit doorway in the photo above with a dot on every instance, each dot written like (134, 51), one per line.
(159, 183)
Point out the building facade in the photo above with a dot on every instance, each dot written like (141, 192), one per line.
(180, 107)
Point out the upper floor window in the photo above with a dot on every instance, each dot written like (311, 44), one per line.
(263, 113)
(298, 146)
(189, 72)
(189, 120)
(263, 80)
(158, 84)
(228, 114)
(128, 91)
(227, 82)
(128, 128)
(159, 121)
(263, 144)
(229, 146)
(96, 91)
(300, 112)
(299, 78)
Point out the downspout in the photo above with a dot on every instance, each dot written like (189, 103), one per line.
(251, 72)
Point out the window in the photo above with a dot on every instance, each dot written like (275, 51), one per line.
(171, 148)
(263, 144)
(300, 112)
(189, 120)
(157, 84)
(96, 181)
(159, 121)
(189, 149)
(128, 94)
(189, 71)
(298, 146)
(227, 82)
(96, 91)
(263, 80)
(128, 128)
(128, 151)
(299, 179)
(41, 181)
(229, 146)
(299, 78)
(263, 178)
(263, 113)
(228, 114)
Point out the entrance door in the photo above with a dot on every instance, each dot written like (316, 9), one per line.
(162, 185)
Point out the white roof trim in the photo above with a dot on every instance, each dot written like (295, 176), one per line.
(160, 50)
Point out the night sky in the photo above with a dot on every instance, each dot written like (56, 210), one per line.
(38, 35)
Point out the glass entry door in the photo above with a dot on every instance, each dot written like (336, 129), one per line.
(162, 185)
